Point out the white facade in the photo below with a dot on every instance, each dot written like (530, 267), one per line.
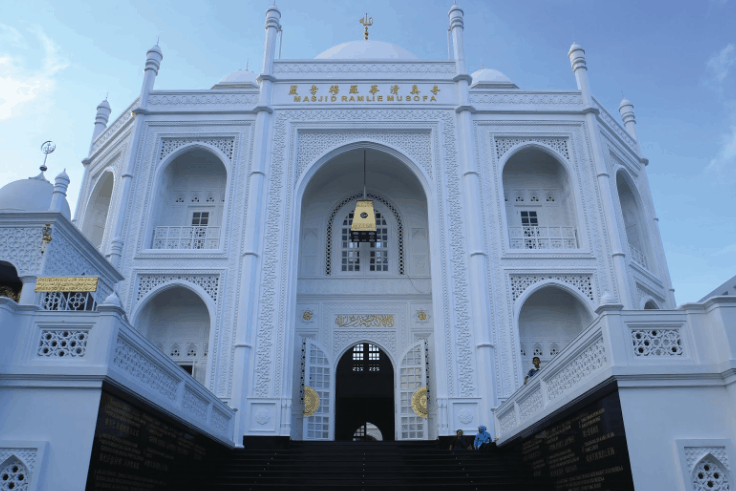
(499, 204)
(513, 224)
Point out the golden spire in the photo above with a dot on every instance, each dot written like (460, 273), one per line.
(368, 21)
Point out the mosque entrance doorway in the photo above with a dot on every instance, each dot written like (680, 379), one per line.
(365, 395)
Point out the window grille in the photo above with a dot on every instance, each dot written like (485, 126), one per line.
(350, 253)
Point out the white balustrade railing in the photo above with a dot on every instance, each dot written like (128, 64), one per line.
(186, 237)
(531, 237)
(75, 301)
(638, 256)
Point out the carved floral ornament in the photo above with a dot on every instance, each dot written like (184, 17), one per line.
(307, 316)
(370, 320)
(422, 315)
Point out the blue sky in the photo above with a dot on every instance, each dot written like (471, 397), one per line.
(676, 61)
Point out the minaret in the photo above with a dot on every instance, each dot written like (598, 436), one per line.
(252, 247)
(576, 54)
(626, 108)
(153, 63)
(103, 116)
(580, 69)
(61, 183)
(477, 255)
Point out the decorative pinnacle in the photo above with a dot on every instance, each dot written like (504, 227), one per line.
(47, 147)
(367, 21)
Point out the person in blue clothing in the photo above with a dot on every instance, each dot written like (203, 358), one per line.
(482, 439)
(534, 370)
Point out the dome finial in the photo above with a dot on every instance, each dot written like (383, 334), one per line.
(367, 21)
(47, 147)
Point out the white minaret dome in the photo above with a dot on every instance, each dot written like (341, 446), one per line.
(104, 105)
(490, 78)
(366, 50)
(240, 79)
(32, 194)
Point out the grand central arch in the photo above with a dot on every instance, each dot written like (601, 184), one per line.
(363, 310)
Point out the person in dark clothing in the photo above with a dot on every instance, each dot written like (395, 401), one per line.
(458, 441)
(534, 370)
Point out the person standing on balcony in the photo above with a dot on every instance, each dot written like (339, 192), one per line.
(534, 369)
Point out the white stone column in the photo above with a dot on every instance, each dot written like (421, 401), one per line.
(153, 63)
(252, 252)
(61, 183)
(618, 251)
(481, 317)
(27, 293)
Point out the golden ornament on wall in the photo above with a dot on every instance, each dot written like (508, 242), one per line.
(419, 402)
(307, 315)
(422, 315)
(311, 401)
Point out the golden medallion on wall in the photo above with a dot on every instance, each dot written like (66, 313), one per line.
(311, 401)
(419, 402)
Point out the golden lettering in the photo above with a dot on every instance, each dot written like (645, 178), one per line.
(374, 89)
(434, 90)
(314, 99)
(353, 89)
(416, 98)
(334, 90)
(424, 97)
(334, 98)
(360, 98)
(352, 98)
(380, 98)
(292, 91)
(370, 320)
(74, 284)
(433, 99)
(395, 89)
(297, 98)
(389, 98)
(414, 90)
(313, 90)
(344, 98)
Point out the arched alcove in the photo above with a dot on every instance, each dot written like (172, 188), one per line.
(651, 305)
(98, 208)
(189, 202)
(10, 284)
(177, 320)
(540, 202)
(633, 217)
(549, 320)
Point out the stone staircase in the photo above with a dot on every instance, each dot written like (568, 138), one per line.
(380, 466)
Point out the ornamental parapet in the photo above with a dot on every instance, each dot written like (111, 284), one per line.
(526, 101)
(689, 346)
(75, 349)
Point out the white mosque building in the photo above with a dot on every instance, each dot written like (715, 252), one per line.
(230, 294)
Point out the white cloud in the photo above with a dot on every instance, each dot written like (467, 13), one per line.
(720, 63)
(729, 249)
(18, 84)
(724, 164)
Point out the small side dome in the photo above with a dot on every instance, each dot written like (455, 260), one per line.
(366, 50)
(32, 194)
(488, 78)
(242, 79)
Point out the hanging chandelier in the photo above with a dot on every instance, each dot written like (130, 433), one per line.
(363, 228)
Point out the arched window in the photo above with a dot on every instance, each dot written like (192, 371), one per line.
(98, 207)
(634, 223)
(385, 256)
(375, 254)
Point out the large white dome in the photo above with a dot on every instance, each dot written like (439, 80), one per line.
(366, 50)
(490, 78)
(32, 194)
(241, 79)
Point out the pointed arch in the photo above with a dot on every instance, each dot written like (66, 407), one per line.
(98, 207)
(709, 474)
(399, 227)
(633, 217)
(541, 198)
